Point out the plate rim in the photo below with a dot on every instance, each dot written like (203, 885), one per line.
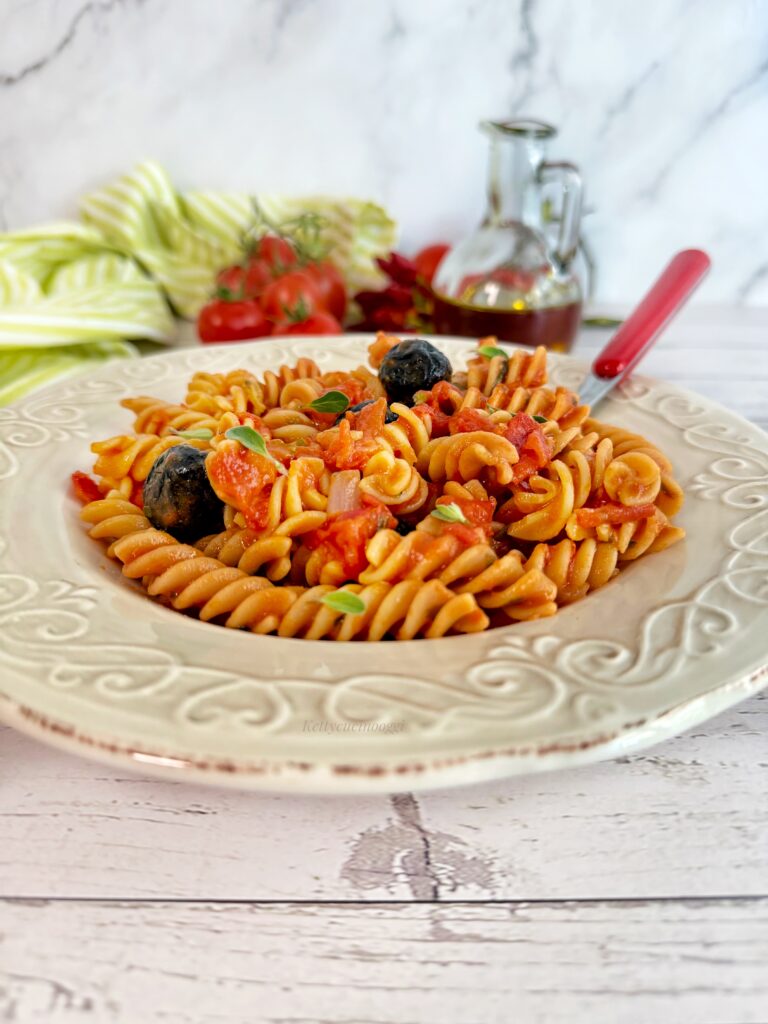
(371, 776)
(338, 780)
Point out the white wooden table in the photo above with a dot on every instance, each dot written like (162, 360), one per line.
(632, 891)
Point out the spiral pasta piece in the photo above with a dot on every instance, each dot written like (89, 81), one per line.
(289, 425)
(561, 406)
(551, 500)
(419, 556)
(467, 456)
(521, 369)
(519, 592)
(631, 539)
(574, 568)
(394, 482)
(408, 434)
(273, 384)
(126, 460)
(632, 479)
(154, 416)
(213, 393)
(624, 441)
(113, 517)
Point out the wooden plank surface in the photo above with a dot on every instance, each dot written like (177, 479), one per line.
(678, 961)
(686, 818)
(630, 891)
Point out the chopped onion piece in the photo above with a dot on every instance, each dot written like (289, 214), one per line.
(344, 492)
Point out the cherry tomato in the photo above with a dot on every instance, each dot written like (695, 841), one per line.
(277, 252)
(317, 323)
(330, 284)
(293, 296)
(428, 260)
(258, 275)
(232, 279)
(232, 321)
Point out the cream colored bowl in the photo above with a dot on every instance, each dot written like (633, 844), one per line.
(88, 663)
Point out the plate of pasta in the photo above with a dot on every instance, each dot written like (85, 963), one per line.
(374, 563)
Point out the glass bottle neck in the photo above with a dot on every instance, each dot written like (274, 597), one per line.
(513, 188)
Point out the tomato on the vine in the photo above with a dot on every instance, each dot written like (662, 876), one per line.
(232, 321)
(258, 275)
(293, 296)
(277, 252)
(318, 323)
(330, 284)
(231, 279)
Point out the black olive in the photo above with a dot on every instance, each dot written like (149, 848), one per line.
(389, 416)
(411, 366)
(178, 496)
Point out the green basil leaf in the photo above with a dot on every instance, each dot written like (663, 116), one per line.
(252, 439)
(194, 435)
(541, 419)
(449, 513)
(344, 601)
(332, 401)
(249, 438)
(489, 351)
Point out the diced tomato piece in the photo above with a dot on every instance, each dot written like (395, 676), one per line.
(342, 451)
(343, 537)
(243, 479)
(443, 394)
(354, 389)
(440, 420)
(467, 535)
(370, 419)
(613, 513)
(85, 488)
(518, 429)
(467, 420)
(478, 513)
(531, 443)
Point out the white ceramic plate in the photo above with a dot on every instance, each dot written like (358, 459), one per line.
(88, 663)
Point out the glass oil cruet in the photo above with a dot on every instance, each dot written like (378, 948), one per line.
(509, 278)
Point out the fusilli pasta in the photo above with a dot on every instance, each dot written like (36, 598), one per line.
(488, 498)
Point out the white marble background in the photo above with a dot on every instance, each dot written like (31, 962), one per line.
(664, 103)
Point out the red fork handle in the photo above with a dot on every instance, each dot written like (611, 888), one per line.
(642, 327)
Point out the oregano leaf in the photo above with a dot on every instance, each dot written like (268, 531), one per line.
(252, 439)
(331, 401)
(449, 513)
(204, 434)
(489, 351)
(343, 601)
